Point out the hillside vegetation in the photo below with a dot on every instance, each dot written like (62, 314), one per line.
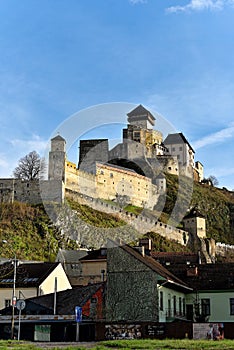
(31, 235)
(217, 205)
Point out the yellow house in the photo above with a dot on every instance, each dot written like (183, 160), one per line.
(32, 279)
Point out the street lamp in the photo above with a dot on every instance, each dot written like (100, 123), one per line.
(15, 263)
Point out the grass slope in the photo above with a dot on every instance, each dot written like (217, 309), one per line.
(31, 234)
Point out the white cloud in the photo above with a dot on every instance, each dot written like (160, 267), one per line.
(134, 2)
(35, 144)
(200, 5)
(218, 137)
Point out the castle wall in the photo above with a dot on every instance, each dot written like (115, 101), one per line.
(140, 222)
(71, 176)
(52, 191)
(114, 182)
(19, 190)
(169, 164)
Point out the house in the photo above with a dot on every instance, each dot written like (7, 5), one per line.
(52, 317)
(212, 298)
(141, 289)
(70, 260)
(93, 266)
(84, 267)
(32, 279)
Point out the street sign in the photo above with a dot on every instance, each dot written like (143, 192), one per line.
(20, 304)
(78, 314)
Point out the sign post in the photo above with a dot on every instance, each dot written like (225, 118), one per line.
(78, 316)
(20, 306)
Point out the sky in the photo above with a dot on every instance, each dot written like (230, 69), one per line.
(176, 57)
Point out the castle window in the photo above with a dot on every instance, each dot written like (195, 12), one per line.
(113, 183)
(102, 172)
(27, 185)
(111, 175)
(169, 168)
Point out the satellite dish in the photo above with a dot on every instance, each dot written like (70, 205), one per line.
(20, 304)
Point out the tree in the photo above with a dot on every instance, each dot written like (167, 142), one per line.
(29, 167)
(214, 180)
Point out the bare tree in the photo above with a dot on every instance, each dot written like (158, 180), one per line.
(213, 180)
(29, 167)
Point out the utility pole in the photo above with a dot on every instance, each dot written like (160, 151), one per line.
(15, 262)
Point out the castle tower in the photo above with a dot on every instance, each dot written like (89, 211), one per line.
(141, 118)
(92, 151)
(195, 223)
(57, 156)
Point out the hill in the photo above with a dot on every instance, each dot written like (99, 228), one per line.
(31, 234)
(217, 205)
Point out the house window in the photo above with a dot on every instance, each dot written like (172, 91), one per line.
(183, 306)
(161, 301)
(231, 306)
(7, 302)
(180, 305)
(205, 307)
(174, 304)
(173, 149)
(169, 306)
(181, 148)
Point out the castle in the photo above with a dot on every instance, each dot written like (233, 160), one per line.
(130, 173)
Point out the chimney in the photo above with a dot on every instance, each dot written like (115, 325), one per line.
(147, 244)
(192, 271)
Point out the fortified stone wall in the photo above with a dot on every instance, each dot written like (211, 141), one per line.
(18, 190)
(223, 249)
(140, 222)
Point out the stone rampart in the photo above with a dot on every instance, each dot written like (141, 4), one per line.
(222, 249)
(140, 222)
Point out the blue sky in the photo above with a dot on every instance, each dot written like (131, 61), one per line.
(175, 57)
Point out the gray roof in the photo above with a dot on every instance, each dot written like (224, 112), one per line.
(140, 110)
(68, 299)
(177, 138)
(70, 256)
(58, 138)
(27, 274)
